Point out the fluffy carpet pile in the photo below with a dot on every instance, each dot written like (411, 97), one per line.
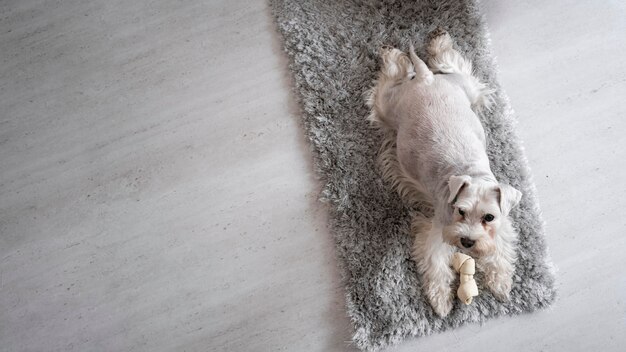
(333, 50)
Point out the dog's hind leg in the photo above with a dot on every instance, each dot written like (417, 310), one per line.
(396, 66)
(443, 58)
(396, 69)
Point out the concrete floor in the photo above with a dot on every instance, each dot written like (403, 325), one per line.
(157, 194)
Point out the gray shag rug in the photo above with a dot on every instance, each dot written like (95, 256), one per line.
(333, 51)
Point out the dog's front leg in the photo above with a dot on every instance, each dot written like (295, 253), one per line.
(499, 267)
(498, 275)
(432, 256)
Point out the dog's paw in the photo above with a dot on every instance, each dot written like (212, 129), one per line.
(438, 41)
(384, 50)
(441, 300)
(437, 32)
(500, 285)
(396, 64)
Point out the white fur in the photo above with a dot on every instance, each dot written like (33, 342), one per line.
(434, 153)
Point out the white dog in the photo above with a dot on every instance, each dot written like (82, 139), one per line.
(438, 155)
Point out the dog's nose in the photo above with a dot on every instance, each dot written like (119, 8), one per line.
(466, 242)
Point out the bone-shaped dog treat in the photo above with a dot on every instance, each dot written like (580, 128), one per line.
(465, 265)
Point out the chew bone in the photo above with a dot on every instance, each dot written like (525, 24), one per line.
(465, 265)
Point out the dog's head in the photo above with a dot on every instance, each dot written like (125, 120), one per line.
(479, 210)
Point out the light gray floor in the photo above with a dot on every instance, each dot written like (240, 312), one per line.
(156, 193)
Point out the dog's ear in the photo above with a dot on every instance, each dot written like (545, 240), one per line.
(456, 184)
(508, 198)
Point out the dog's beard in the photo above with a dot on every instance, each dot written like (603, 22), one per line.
(483, 246)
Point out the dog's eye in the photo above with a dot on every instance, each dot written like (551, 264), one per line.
(461, 212)
(488, 218)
